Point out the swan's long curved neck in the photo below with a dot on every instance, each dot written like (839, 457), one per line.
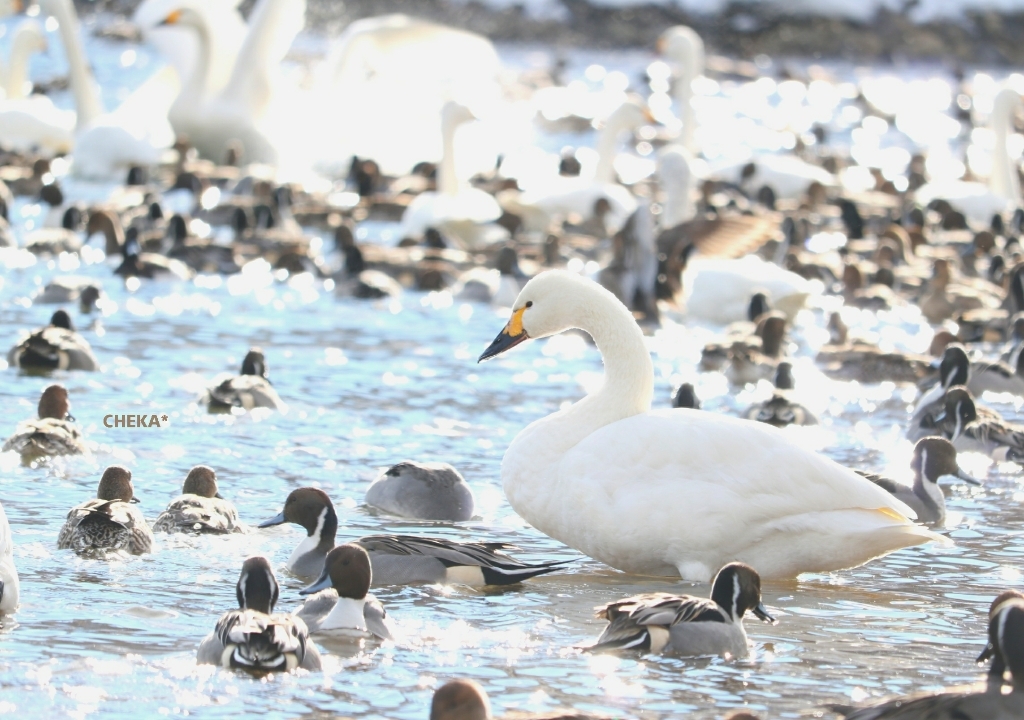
(196, 88)
(607, 145)
(1004, 180)
(628, 386)
(87, 94)
(691, 67)
(447, 180)
(26, 41)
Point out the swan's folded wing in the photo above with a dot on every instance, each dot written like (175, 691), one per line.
(689, 480)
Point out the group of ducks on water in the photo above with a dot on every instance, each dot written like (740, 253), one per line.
(607, 476)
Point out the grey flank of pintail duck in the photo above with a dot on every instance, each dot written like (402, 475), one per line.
(65, 289)
(998, 377)
(254, 638)
(399, 559)
(990, 700)
(339, 601)
(684, 624)
(686, 397)
(466, 700)
(424, 491)
(199, 508)
(954, 369)
(53, 433)
(248, 390)
(780, 409)
(974, 428)
(54, 347)
(109, 521)
(934, 460)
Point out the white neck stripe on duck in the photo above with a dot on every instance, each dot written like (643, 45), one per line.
(347, 613)
(735, 596)
(316, 537)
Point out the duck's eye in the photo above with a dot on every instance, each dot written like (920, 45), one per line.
(529, 303)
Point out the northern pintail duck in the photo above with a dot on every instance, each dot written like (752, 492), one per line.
(954, 369)
(424, 491)
(684, 624)
(998, 377)
(934, 460)
(974, 428)
(254, 638)
(109, 521)
(9, 585)
(780, 409)
(250, 389)
(986, 701)
(53, 433)
(199, 508)
(138, 264)
(342, 601)
(54, 347)
(68, 288)
(398, 559)
(466, 700)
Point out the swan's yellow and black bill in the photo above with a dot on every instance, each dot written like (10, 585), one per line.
(172, 18)
(511, 335)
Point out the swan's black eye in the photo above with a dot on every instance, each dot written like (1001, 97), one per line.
(529, 303)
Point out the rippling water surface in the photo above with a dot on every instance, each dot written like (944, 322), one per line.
(367, 385)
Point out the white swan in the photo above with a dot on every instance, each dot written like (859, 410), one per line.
(684, 47)
(384, 85)
(678, 492)
(455, 209)
(9, 585)
(717, 289)
(980, 201)
(676, 179)
(241, 110)
(548, 198)
(136, 133)
(28, 38)
(31, 122)
(203, 70)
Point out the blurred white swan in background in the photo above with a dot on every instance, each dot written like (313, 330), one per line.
(200, 80)
(385, 82)
(547, 197)
(136, 133)
(455, 209)
(685, 50)
(977, 200)
(241, 110)
(28, 38)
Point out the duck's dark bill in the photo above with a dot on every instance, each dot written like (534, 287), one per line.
(503, 342)
(276, 520)
(762, 613)
(322, 583)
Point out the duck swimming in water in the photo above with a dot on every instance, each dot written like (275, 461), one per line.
(684, 624)
(254, 638)
(678, 492)
(53, 433)
(250, 389)
(109, 521)
(399, 559)
(54, 347)
(339, 600)
(199, 508)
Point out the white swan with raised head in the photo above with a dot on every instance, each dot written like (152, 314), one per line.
(678, 492)
(685, 49)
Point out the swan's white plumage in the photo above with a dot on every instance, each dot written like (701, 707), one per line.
(980, 201)
(28, 38)
(719, 290)
(682, 492)
(788, 175)
(8, 573)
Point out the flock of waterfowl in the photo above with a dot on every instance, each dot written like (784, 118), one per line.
(750, 246)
